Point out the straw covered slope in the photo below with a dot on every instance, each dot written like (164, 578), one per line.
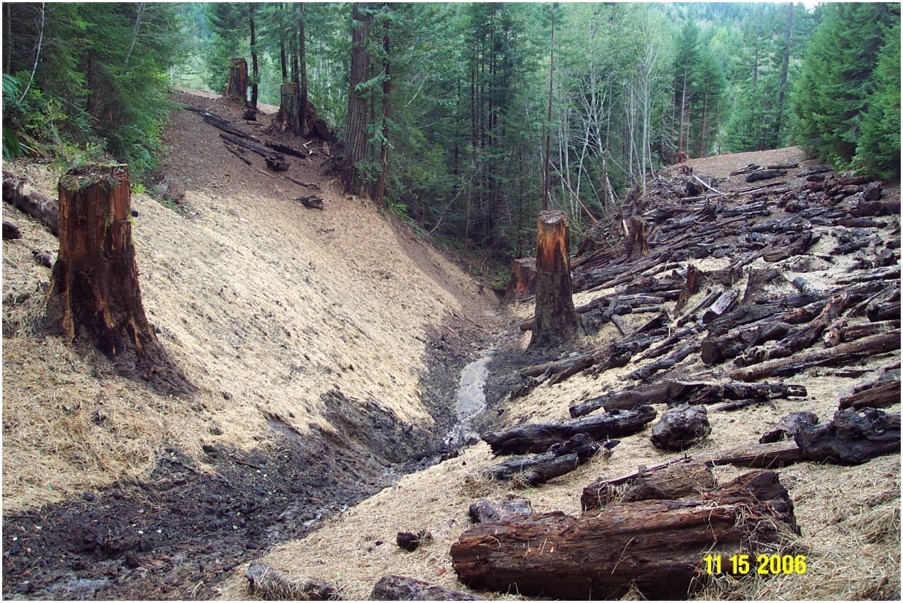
(849, 516)
(279, 314)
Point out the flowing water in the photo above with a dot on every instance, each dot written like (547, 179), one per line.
(470, 400)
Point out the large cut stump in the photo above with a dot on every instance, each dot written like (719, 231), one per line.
(659, 545)
(555, 319)
(95, 293)
(237, 86)
(288, 117)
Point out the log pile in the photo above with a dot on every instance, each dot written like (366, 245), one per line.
(743, 322)
(701, 341)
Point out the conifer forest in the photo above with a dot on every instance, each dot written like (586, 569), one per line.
(448, 112)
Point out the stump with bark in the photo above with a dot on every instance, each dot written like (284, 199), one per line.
(288, 117)
(555, 318)
(237, 86)
(523, 278)
(95, 295)
(658, 545)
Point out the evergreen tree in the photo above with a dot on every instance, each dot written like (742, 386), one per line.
(836, 79)
(878, 150)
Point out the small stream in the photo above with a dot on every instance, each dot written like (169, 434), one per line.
(470, 401)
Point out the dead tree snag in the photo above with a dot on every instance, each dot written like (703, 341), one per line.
(555, 319)
(94, 291)
(237, 86)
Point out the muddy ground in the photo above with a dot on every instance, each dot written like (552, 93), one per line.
(177, 534)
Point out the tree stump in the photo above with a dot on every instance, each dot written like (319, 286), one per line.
(555, 319)
(94, 291)
(289, 101)
(523, 277)
(237, 86)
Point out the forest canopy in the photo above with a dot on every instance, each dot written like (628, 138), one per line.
(449, 111)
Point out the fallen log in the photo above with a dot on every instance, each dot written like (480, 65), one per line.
(235, 152)
(766, 456)
(669, 392)
(647, 370)
(874, 395)
(718, 349)
(539, 437)
(845, 352)
(765, 175)
(11, 231)
(311, 201)
(221, 124)
(272, 585)
(403, 588)
(684, 477)
(800, 338)
(790, 246)
(656, 545)
(840, 332)
(262, 151)
(745, 391)
(276, 163)
(852, 437)
(539, 468)
(32, 203)
(287, 150)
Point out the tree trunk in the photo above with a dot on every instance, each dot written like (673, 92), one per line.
(302, 68)
(546, 185)
(356, 130)
(95, 291)
(657, 545)
(555, 318)
(255, 72)
(288, 115)
(237, 86)
(282, 60)
(785, 63)
(387, 112)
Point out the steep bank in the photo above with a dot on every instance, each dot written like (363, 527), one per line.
(302, 329)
